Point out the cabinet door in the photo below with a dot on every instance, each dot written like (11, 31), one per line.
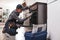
(1, 13)
(42, 13)
(34, 17)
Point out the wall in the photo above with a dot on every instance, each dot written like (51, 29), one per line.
(54, 20)
(10, 4)
(30, 2)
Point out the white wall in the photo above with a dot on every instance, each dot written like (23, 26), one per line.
(10, 4)
(30, 2)
(54, 20)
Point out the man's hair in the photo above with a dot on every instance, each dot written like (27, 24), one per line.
(19, 6)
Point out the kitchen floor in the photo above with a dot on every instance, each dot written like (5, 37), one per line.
(1, 34)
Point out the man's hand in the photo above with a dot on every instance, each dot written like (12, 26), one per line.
(11, 24)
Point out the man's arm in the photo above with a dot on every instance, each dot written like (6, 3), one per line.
(20, 20)
(29, 15)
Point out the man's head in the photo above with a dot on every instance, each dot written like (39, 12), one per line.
(19, 8)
